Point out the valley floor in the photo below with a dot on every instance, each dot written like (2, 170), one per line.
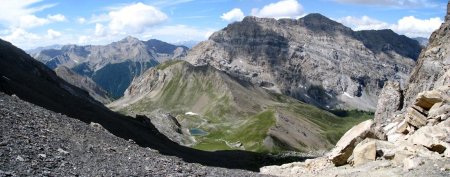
(38, 142)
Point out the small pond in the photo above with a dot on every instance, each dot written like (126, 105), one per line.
(197, 132)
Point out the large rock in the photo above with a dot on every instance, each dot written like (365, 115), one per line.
(364, 152)
(415, 118)
(432, 137)
(411, 163)
(389, 102)
(347, 143)
(439, 111)
(426, 100)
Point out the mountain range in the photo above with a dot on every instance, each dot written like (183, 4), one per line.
(313, 59)
(257, 87)
(112, 67)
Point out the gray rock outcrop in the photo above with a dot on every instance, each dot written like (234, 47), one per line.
(313, 59)
(433, 66)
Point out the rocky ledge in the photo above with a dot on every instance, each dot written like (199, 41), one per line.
(415, 142)
(38, 142)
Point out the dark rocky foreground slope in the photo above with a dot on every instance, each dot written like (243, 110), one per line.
(39, 142)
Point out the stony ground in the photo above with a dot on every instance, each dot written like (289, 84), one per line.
(38, 142)
(380, 168)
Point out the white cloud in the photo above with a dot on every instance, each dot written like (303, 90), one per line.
(135, 18)
(30, 21)
(363, 23)
(391, 3)
(235, 14)
(415, 27)
(281, 9)
(81, 20)
(100, 30)
(57, 17)
(52, 34)
(12, 10)
(20, 36)
(99, 18)
(176, 32)
(409, 26)
(21, 14)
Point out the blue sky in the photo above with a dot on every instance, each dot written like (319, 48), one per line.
(33, 23)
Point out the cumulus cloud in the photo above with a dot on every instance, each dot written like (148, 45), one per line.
(414, 27)
(21, 14)
(363, 23)
(174, 33)
(27, 40)
(235, 14)
(52, 34)
(30, 21)
(390, 3)
(100, 30)
(81, 20)
(281, 9)
(57, 17)
(135, 18)
(409, 26)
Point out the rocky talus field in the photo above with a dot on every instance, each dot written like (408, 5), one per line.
(39, 142)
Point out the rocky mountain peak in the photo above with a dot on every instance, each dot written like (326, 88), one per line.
(130, 39)
(252, 19)
(318, 22)
(447, 18)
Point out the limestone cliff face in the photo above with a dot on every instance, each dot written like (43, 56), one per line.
(433, 67)
(313, 59)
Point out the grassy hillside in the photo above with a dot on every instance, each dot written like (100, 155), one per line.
(235, 115)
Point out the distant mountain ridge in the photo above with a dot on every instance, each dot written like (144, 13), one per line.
(84, 83)
(112, 66)
(313, 59)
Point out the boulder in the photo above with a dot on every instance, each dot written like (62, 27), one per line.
(402, 127)
(364, 152)
(411, 163)
(439, 111)
(349, 140)
(388, 103)
(427, 99)
(401, 155)
(432, 137)
(395, 137)
(415, 118)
